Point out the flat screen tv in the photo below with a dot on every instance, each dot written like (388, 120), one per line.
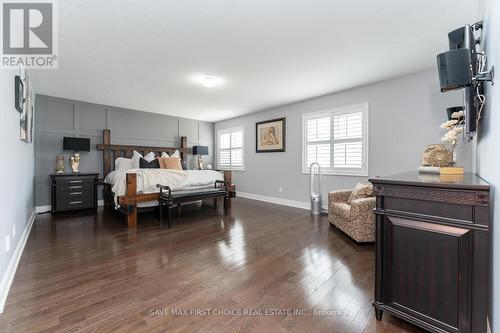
(457, 69)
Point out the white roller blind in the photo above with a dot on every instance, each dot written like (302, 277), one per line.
(337, 140)
(230, 150)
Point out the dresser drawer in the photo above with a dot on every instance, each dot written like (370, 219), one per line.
(76, 187)
(430, 208)
(74, 202)
(76, 193)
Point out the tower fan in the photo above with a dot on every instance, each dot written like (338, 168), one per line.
(315, 196)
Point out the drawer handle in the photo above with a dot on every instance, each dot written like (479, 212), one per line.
(74, 193)
(75, 181)
(75, 202)
(76, 186)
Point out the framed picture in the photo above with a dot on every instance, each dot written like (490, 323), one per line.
(19, 93)
(26, 121)
(270, 136)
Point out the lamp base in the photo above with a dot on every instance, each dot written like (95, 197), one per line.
(75, 162)
(200, 162)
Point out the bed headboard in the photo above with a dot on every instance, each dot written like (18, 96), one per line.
(111, 152)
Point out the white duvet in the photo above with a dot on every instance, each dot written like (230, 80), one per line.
(148, 178)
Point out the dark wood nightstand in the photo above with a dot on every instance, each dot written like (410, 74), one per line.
(74, 191)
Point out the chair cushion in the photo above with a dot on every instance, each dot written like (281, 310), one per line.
(342, 209)
(362, 190)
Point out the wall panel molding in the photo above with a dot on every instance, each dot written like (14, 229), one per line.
(145, 129)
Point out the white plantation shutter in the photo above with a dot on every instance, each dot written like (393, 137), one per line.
(230, 149)
(348, 141)
(338, 140)
(318, 141)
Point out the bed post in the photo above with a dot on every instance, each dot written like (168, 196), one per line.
(106, 158)
(229, 186)
(106, 139)
(184, 143)
(131, 205)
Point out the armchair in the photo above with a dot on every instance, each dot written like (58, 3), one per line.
(354, 218)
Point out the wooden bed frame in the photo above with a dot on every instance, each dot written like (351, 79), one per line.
(130, 200)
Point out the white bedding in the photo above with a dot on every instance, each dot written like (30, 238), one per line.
(148, 178)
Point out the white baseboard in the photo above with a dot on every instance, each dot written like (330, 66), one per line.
(278, 201)
(275, 200)
(14, 261)
(47, 208)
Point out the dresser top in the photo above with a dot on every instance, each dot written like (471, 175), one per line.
(71, 174)
(413, 178)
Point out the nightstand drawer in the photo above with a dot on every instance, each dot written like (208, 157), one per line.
(74, 202)
(74, 181)
(74, 187)
(76, 193)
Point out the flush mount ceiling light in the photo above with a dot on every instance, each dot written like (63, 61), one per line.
(208, 81)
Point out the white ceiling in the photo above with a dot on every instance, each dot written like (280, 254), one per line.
(143, 54)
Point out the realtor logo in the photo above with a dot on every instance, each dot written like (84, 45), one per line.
(29, 37)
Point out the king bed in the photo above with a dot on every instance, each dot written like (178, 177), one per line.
(127, 190)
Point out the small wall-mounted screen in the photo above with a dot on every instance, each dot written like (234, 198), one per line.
(77, 144)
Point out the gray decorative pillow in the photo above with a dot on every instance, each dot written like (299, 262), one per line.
(362, 190)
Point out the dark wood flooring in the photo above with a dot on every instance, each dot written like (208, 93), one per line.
(89, 272)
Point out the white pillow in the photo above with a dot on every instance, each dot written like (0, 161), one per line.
(176, 154)
(149, 156)
(135, 159)
(124, 164)
(163, 154)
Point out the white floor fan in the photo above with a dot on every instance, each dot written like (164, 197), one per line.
(316, 202)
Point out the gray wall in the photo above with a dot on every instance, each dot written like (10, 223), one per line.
(405, 114)
(59, 117)
(17, 170)
(488, 157)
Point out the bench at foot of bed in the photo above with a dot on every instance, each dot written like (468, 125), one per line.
(168, 198)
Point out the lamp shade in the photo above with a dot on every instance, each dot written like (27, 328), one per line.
(76, 144)
(200, 150)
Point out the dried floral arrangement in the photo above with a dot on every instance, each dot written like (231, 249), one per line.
(455, 127)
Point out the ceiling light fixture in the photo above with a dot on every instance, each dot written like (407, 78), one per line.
(209, 81)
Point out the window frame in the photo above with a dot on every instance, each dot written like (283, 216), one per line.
(362, 172)
(231, 130)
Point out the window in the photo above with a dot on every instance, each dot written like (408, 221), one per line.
(230, 149)
(337, 139)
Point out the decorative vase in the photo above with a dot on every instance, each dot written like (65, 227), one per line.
(454, 155)
(60, 165)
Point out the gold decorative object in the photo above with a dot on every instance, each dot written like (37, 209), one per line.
(200, 162)
(437, 155)
(60, 165)
(75, 162)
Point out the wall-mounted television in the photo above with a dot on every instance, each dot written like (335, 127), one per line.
(462, 67)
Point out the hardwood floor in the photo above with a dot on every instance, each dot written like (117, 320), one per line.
(91, 273)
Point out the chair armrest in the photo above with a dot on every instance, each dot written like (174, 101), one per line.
(364, 203)
(339, 196)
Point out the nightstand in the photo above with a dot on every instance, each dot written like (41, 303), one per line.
(74, 191)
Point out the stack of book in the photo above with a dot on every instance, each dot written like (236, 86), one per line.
(441, 171)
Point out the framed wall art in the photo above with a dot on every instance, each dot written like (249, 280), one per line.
(270, 136)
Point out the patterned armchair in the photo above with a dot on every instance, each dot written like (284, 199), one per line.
(356, 218)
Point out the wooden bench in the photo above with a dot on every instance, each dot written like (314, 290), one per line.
(168, 197)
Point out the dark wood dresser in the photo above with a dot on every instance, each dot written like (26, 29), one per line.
(74, 191)
(432, 250)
